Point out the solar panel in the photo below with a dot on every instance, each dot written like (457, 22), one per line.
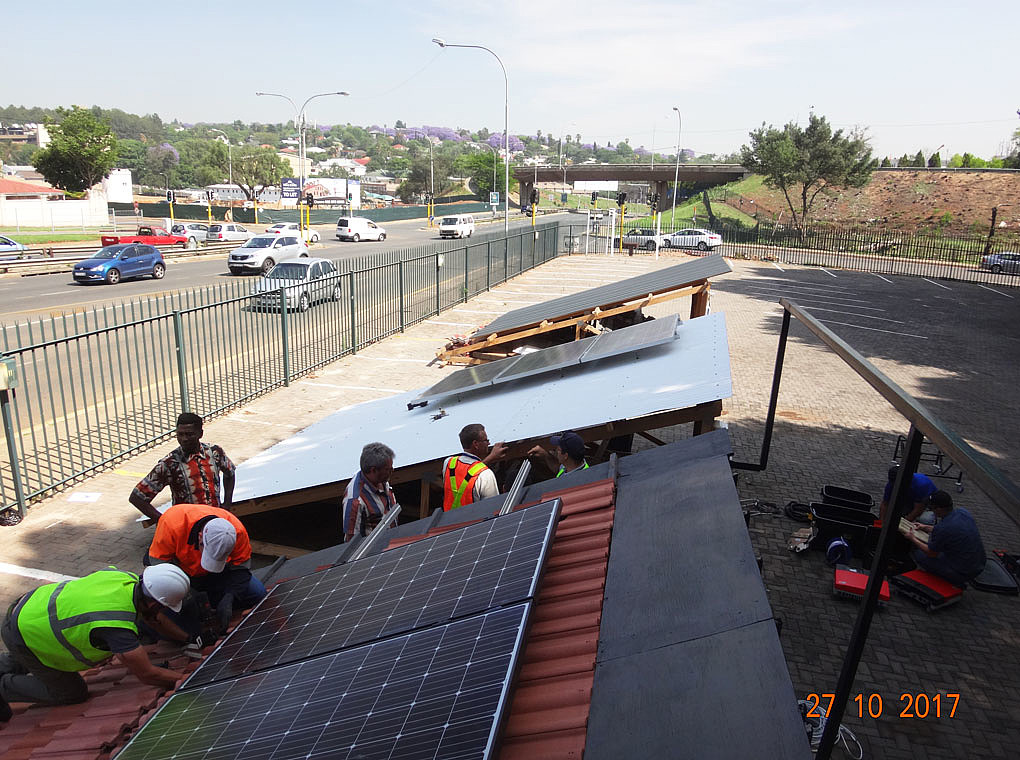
(437, 693)
(654, 332)
(657, 281)
(546, 360)
(431, 581)
(469, 378)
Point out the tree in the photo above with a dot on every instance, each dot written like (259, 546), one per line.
(160, 164)
(918, 160)
(81, 153)
(400, 124)
(935, 161)
(335, 172)
(419, 178)
(886, 162)
(904, 160)
(255, 169)
(803, 162)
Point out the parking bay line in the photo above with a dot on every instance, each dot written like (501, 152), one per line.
(873, 329)
(848, 313)
(828, 273)
(1006, 295)
(881, 277)
(936, 283)
(778, 267)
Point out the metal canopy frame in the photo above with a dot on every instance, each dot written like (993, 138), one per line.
(500, 336)
(1003, 492)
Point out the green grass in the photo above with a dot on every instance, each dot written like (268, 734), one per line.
(41, 238)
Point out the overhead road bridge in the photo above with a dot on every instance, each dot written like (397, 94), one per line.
(659, 176)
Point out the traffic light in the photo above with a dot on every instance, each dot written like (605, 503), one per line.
(594, 197)
(653, 201)
(309, 199)
(169, 196)
(534, 197)
(621, 198)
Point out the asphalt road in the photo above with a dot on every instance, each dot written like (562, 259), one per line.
(26, 299)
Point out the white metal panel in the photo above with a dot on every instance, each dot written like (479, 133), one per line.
(691, 370)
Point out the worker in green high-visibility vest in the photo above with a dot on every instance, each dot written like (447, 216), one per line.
(59, 629)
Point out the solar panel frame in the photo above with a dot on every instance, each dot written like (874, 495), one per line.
(431, 581)
(419, 693)
(653, 332)
(657, 281)
(546, 360)
(469, 378)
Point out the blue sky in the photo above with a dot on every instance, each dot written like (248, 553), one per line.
(916, 75)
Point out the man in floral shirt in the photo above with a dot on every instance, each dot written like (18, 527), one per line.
(192, 471)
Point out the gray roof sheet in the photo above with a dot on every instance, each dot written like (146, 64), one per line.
(659, 281)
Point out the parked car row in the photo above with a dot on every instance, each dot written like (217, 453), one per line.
(703, 240)
(1007, 261)
(262, 252)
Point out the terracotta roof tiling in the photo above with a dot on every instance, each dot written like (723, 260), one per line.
(16, 187)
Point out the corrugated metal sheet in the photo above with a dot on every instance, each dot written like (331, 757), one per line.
(659, 281)
(691, 370)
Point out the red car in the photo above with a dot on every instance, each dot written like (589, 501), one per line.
(147, 235)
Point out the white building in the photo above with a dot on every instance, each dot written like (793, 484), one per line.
(118, 186)
(225, 192)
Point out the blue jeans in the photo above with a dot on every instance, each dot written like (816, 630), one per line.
(940, 566)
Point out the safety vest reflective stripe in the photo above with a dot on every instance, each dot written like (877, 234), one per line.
(563, 470)
(462, 493)
(98, 600)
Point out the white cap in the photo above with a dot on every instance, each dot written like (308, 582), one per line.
(167, 584)
(218, 539)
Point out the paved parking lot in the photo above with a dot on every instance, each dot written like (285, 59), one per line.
(950, 344)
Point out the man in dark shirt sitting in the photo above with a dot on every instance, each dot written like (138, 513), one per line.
(954, 550)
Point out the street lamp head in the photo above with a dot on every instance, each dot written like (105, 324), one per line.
(341, 93)
(440, 42)
(676, 108)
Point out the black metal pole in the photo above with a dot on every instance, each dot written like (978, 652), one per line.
(890, 527)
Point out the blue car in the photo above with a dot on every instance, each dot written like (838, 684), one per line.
(117, 262)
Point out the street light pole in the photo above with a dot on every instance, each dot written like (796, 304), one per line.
(676, 173)
(506, 128)
(300, 124)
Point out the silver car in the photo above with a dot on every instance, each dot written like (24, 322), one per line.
(305, 281)
(225, 231)
(1007, 261)
(262, 252)
(195, 232)
(643, 238)
(11, 249)
(693, 237)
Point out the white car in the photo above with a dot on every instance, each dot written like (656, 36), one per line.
(293, 228)
(195, 232)
(262, 252)
(306, 281)
(703, 240)
(227, 231)
(358, 228)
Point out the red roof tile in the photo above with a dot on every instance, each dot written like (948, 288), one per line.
(16, 187)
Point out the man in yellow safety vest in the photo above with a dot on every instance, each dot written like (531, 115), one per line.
(59, 629)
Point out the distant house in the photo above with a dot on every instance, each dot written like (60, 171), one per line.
(16, 190)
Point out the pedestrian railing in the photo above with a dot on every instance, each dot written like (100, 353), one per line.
(95, 387)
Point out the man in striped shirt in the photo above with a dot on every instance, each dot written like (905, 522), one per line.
(369, 497)
(192, 471)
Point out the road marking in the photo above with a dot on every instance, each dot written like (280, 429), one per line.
(835, 301)
(31, 572)
(828, 272)
(778, 267)
(936, 283)
(388, 359)
(874, 329)
(1007, 295)
(848, 313)
(354, 387)
(881, 277)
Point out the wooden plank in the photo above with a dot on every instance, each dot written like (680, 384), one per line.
(448, 354)
(277, 550)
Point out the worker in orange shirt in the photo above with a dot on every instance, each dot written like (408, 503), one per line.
(211, 545)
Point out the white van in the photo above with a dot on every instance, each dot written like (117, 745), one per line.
(358, 228)
(457, 226)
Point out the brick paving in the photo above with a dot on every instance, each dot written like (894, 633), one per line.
(950, 344)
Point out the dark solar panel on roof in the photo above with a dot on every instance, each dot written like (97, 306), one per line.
(546, 360)
(436, 693)
(634, 338)
(459, 573)
(469, 378)
(658, 281)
